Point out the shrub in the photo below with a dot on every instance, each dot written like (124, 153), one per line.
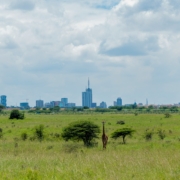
(81, 131)
(148, 135)
(39, 132)
(1, 133)
(24, 136)
(122, 133)
(167, 115)
(135, 113)
(120, 122)
(161, 134)
(16, 114)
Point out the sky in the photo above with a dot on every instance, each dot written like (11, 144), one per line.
(127, 48)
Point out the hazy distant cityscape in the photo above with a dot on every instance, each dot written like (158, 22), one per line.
(87, 101)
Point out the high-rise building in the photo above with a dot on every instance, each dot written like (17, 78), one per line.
(103, 105)
(93, 105)
(39, 103)
(119, 101)
(63, 103)
(115, 103)
(64, 100)
(3, 100)
(24, 105)
(47, 105)
(87, 97)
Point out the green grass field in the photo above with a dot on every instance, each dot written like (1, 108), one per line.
(53, 158)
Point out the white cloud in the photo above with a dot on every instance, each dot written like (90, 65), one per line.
(128, 48)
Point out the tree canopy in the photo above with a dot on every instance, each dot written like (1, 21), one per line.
(16, 114)
(122, 133)
(84, 131)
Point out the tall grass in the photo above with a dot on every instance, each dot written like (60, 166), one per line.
(52, 158)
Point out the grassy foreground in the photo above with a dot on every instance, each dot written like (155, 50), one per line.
(55, 159)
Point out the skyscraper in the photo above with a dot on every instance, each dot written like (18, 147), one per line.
(39, 103)
(3, 100)
(87, 96)
(119, 101)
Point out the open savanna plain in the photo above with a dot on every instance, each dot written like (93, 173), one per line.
(53, 158)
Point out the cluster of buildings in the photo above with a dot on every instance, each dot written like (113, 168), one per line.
(62, 104)
(87, 101)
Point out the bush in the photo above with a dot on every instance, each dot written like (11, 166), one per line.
(16, 114)
(24, 136)
(39, 132)
(135, 113)
(81, 131)
(167, 115)
(120, 122)
(1, 133)
(148, 135)
(161, 134)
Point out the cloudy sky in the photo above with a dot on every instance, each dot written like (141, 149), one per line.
(128, 49)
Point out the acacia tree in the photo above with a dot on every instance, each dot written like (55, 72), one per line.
(122, 133)
(81, 131)
(16, 114)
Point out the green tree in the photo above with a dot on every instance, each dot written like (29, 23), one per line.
(56, 109)
(1, 107)
(16, 114)
(81, 131)
(122, 133)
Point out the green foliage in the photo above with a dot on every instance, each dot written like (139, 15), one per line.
(161, 133)
(81, 131)
(1, 133)
(85, 107)
(56, 109)
(16, 114)
(122, 133)
(102, 110)
(39, 132)
(167, 115)
(148, 134)
(120, 122)
(24, 136)
(135, 113)
(1, 107)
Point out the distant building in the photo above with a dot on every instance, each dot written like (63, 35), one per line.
(47, 105)
(93, 105)
(115, 103)
(63, 103)
(64, 100)
(39, 103)
(87, 97)
(3, 100)
(70, 105)
(54, 103)
(119, 101)
(103, 105)
(24, 105)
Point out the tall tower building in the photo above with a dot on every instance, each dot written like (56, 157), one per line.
(119, 102)
(87, 96)
(3, 100)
